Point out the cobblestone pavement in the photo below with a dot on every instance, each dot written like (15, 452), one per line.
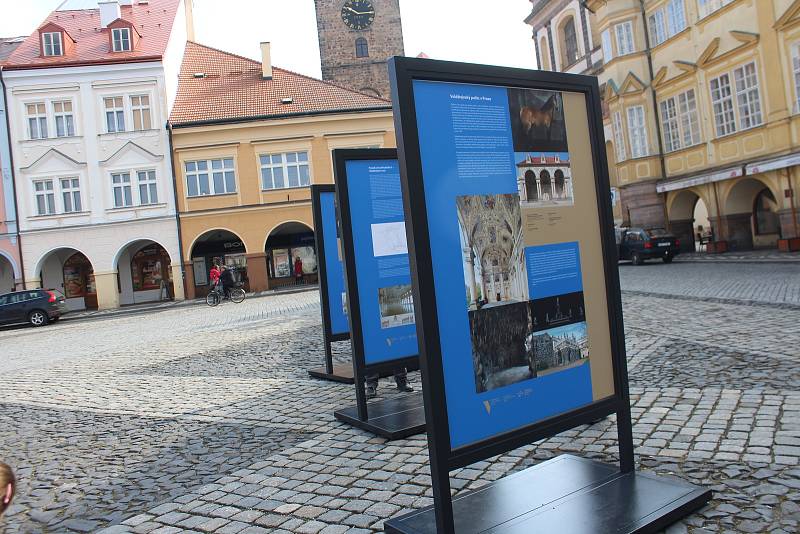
(206, 421)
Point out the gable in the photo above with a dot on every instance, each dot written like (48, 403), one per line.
(131, 155)
(53, 162)
(790, 17)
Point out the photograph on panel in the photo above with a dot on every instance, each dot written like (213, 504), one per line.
(396, 305)
(537, 120)
(495, 288)
(544, 179)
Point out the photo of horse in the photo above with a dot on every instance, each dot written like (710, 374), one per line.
(537, 120)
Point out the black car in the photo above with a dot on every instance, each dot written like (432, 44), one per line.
(638, 245)
(36, 306)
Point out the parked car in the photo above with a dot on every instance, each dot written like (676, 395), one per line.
(37, 307)
(638, 245)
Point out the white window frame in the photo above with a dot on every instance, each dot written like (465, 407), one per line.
(657, 26)
(796, 74)
(115, 114)
(142, 111)
(121, 39)
(707, 7)
(36, 122)
(213, 169)
(70, 194)
(56, 45)
(48, 195)
(147, 187)
(748, 96)
(608, 50)
(121, 181)
(679, 121)
(300, 165)
(637, 131)
(623, 33)
(676, 17)
(65, 117)
(619, 137)
(721, 93)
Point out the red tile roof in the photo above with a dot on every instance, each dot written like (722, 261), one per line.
(8, 45)
(152, 20)
(232, 89)
(544, 161)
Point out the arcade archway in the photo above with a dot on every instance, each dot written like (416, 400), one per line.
(291, 255)
(751, 215)
(70, 272)
(144, 273)
(688, 220)
(218, 247)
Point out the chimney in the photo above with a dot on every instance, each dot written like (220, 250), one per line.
(109, 12)
(266, 62)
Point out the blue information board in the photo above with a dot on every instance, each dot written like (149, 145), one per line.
(488, 165)
(337, 297)
(380, 256)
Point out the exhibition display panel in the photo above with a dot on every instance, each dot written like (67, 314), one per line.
(378, 286)
(333, 297)
(516, 297)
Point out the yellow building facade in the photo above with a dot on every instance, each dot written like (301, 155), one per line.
(243, 171)
(701, 103)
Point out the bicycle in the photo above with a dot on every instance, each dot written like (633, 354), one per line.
(215, 296)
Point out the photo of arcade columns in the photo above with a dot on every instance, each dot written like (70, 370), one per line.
(496, 289)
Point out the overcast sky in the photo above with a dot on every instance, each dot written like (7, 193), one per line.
(477, 31)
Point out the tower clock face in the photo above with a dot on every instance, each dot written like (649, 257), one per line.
(358, 14)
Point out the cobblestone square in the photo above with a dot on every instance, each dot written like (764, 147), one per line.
(197, 420)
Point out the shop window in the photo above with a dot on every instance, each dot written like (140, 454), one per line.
(78, 277)
(149, 267)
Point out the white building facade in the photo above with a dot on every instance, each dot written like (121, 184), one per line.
(92, 160)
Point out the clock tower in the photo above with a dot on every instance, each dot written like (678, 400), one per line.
(356, 39)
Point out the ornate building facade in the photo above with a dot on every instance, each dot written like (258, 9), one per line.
(700, 108)
(356, 39)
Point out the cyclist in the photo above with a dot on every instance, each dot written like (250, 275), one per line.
(226, 277)
(213, 276)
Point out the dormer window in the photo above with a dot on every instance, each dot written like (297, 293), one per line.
(51, 44)
(121, 39)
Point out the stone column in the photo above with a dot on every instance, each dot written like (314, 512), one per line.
(33, 283)
(188, 284)
(177, 282)
(739, 231)
(107, 291)
(472, 289)
(257, 271)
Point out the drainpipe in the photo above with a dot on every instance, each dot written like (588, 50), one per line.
(177, 210)
(13, 181)
(655, 105)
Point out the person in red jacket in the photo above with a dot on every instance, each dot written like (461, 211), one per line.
(214, 276)
(298, 271)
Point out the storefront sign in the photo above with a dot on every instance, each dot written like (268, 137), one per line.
(771, 165)
(685, 183)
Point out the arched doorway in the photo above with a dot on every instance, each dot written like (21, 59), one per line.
(751, 216)
(144, 273)
(559, 183)
(285, 244)
(70, 272)
(547, 188)
(218, 247)
(532, 193)
(688, 220)
(7, 275)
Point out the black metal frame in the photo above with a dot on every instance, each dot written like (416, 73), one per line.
(360, 367)
(329, 337)
(403, 71)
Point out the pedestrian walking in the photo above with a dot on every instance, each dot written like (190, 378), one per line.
(8, 485)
